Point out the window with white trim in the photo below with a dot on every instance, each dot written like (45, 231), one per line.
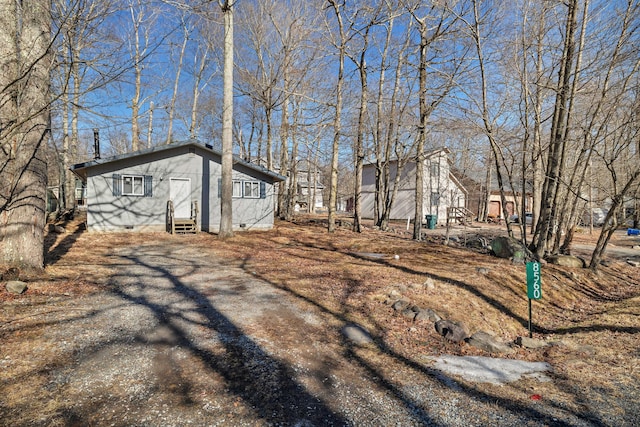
(251, 189)
(246, 189)
(132, 185)
(237, 189)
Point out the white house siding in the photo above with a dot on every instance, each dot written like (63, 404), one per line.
(438, 182)
(107, 211)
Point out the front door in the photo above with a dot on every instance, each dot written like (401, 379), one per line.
(180, 194)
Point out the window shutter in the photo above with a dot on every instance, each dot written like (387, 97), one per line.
(117, 186)
(219, 188)
(263, 190)
(148, 186)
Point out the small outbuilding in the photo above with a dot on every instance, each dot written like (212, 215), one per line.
(174, 187)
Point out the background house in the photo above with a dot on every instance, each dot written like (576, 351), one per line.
(132, 191)
(309, 187)
(441, 188)
(478, 198)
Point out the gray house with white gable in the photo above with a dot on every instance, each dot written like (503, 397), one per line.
(441, 189)
(175, 184)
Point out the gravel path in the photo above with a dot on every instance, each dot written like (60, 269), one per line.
(182, 339)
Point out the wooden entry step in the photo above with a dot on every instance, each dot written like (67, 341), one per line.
(184, 226)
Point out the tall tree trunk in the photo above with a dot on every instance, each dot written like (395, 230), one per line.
(284, 154)
(137, 90)
(381, 193)
(422, 135)
(193, 125)
(150, 127)
(24, 114)
(333, 185)
(226, 199)
(66, 198)
(359, 151)
(391, 138)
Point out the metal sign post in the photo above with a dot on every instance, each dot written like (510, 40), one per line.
(534, 287)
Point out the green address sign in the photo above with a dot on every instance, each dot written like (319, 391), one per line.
(534, 280)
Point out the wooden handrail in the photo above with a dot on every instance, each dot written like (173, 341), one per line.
(194, 214)
(171, 218)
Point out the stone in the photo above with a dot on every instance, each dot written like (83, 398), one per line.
(567, 261)
(429, 284)
(510, 248)
(453, 331)
(476, 243)
(633, 263)
(427, 314)
(482, 270)
(530, 343)
(635, 247)
(400, 305)
(488, 343)
(409, 313)
(395, 294)
(356, 334)
(15, 287)
(12, 273)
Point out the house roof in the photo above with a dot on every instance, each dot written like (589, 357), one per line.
(81, 168)
(473, 182)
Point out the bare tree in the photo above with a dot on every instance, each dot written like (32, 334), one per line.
(432, 25)
(172, 103)
(488, 123)
(364, 30)
(340, 44)
(389, 145)
(141, 44)
(544, 230)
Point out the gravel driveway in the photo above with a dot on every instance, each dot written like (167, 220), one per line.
(182, 339)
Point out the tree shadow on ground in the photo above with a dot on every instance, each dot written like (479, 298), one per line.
(376, 372)
(265, 384)
(55, 246)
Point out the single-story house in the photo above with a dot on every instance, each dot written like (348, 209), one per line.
(140, 190)
(441, 188)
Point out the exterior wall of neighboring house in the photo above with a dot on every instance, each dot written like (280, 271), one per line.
(514, 203)
(191, 173)
(309, 189)
(441, 189)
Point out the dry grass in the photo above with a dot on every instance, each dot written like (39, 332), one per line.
(591, 317)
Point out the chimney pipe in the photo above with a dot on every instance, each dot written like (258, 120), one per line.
(96, 143)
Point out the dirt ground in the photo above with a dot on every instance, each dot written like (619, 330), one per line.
(154, 329)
